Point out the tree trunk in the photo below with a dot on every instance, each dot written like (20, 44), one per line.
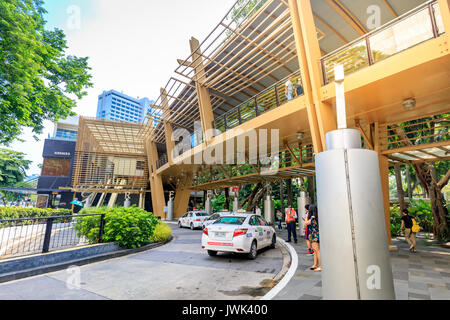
(249, 200)
(311, 189)
(227, 199)
(400, 192)
(289, 192)
(409, 184)
(282, 195)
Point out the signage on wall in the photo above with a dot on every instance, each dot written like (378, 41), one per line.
(57, 153)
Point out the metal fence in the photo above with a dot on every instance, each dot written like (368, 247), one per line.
(27, 236)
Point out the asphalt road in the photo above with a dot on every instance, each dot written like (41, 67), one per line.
(180, 270)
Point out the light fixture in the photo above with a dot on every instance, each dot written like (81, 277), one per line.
(300, 135)
(409, 104)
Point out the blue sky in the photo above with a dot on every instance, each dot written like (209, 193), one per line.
(132, 47)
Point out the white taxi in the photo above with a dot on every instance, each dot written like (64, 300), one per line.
(216, 216)
(193, 220)
(240, 233)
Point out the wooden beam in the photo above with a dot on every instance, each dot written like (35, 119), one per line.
(336, 33)
(388, 5)
(348, 16)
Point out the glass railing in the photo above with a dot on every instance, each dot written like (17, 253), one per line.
(267, 100)
(414, 27)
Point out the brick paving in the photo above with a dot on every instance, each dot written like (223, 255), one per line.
(424, 275)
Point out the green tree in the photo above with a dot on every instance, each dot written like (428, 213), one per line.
(13, 168)
(36, 77)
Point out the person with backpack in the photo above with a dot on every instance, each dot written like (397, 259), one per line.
(410, 226)
(279, 219)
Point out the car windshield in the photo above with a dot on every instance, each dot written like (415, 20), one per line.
(202, 214)
(231, 220)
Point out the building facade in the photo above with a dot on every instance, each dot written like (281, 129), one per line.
(59, 153)
(116, 106)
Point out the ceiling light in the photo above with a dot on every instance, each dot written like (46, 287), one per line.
(409, 104)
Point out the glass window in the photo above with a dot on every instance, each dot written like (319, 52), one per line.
(231, 220)
(202, 214)
(253, 221)
(56, 167)
(260, 221)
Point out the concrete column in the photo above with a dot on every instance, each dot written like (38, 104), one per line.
(268, 209)
(170, 207)
(208, 203)
(302, 201)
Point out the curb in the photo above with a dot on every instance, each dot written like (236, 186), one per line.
(289, 274)
(78, 262)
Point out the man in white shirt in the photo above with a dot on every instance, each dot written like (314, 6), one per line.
(257, 210)
(289, 92)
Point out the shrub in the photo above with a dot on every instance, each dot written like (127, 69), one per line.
(162, 233)
(10, 213)
(89, 227)
(128, 227)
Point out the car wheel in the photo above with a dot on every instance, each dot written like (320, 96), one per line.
(192, 227)
(179, 224)
(212, 253)
(274, 241)
(253, 251)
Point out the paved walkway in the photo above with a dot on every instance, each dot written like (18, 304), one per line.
(180, 270)
(424, 275)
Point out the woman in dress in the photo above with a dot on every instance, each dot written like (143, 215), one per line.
(313, 222)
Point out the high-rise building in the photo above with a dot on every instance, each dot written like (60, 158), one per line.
(113, 105)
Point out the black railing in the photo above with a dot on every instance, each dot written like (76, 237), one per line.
(27, 236)
(267, 100)
(414, 27)
(163, 159)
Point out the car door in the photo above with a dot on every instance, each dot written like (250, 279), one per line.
(188, 219)
(183, 220)
(264, 232)
(258, 231)
(268, 231)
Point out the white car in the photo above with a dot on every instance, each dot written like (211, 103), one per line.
(240, 233)
(216, 216)
(193, 220)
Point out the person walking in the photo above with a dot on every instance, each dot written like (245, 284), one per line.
(279, 219)
(407, 224)
(307, 229)
(313, 221)
(291, 216)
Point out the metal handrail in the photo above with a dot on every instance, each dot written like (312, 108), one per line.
(367, 37)
(379, 29)
(259, 94)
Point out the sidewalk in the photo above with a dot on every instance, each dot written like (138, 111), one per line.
(424, 275)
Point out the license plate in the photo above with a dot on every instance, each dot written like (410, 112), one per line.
(221, 234)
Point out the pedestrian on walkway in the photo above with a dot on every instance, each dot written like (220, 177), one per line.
(307, 232)
(279, 219)
(257, 210)
(407, 223)
(291, 217)
(289, 89)
(313, 221)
